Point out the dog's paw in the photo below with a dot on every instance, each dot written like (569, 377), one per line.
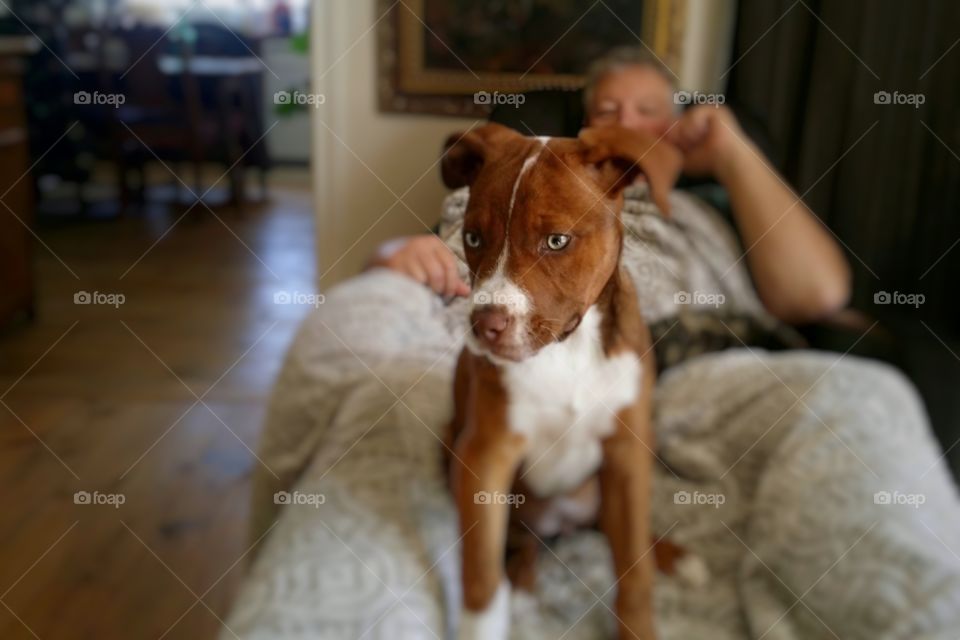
(492, 623)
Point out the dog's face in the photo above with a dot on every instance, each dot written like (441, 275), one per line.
(542, 231)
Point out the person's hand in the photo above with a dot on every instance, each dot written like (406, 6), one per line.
(711, 140)
(425, 259)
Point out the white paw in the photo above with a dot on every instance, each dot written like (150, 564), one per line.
(493, 623)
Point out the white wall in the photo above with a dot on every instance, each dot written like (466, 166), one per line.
(708, 36)
(355, 147)
(289, 140)
(363, 159)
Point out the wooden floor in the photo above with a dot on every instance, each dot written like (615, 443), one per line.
(104, 399)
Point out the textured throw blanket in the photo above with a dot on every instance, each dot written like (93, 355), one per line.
(808, 481)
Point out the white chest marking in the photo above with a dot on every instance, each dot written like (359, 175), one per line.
(565, 400)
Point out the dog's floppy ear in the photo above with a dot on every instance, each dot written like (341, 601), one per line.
(464, 153)
(620, 154)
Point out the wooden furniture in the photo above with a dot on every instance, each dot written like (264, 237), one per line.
(186, 109)
(16, 188)
(230, 90)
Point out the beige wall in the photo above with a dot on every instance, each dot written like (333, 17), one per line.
(363, 160)
(709, 30)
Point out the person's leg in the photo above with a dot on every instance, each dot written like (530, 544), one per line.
(858, 517)
(840, 515)
(362, 536)
(374, 334)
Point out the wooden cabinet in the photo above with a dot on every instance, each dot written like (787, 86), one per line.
(16, 186)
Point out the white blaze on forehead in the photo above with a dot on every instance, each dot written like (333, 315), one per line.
(527, 163)
(498, 288)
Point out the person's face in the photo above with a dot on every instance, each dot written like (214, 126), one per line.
(636, 97)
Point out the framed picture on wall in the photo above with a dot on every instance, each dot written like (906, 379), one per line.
(435, 55)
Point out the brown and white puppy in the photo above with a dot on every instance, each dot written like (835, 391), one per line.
(553, 388)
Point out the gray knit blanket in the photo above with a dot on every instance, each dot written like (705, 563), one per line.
(809, 482)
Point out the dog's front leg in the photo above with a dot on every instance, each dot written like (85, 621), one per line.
(625, 519)
(482, 475)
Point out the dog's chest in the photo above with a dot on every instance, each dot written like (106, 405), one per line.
(565, 400)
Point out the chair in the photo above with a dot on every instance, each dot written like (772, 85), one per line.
(163, 117)
(240, 94)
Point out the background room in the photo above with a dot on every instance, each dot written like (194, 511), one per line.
(185, 182)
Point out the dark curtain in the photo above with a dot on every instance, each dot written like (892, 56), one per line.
(884, 177)
(894, 196)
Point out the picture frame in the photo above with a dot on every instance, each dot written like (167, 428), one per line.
(435, 55)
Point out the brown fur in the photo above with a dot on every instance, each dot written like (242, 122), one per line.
(574, 188)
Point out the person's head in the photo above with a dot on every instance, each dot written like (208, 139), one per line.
(632, 88)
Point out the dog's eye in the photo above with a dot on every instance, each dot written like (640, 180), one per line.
(471, 239)
(557, 241)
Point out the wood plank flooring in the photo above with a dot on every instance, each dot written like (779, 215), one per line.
(99, 398)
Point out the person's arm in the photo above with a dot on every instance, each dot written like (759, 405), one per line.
(800, 271)
(424, 258)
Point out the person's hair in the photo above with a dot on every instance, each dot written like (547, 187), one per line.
(621, 58)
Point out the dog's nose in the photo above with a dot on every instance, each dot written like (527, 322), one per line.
(490, 322)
